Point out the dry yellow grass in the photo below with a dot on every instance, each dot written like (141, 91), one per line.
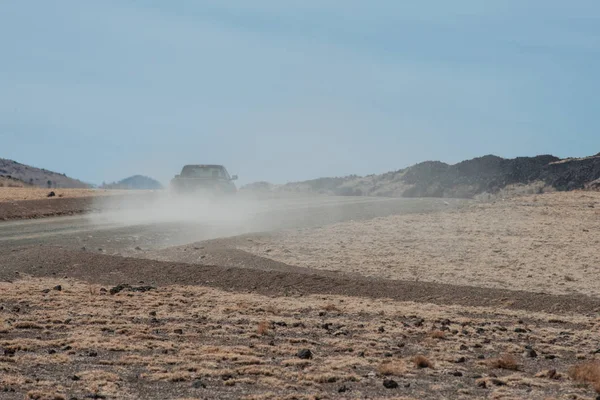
(30, 193)
(587, 373)
(116, 344)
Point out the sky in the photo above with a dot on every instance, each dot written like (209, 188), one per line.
(292, 90)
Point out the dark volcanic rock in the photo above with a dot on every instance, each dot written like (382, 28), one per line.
(305, 354)
(390, 384)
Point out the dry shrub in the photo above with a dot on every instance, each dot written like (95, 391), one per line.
(587, 373)
(39, 395)
(422, 362)
(396, 368)
(28, 325)
(263, 328)
(437, 334)
(330, 307)
(505, 362)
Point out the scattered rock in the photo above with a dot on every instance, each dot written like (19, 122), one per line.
(343, 389)
(460, 360)
(138, 248)
(46, 291)
(51, 194)
(305, 354)
(198, 384)
(457, 373)
(178, 331)
(531, 353)
(75, 378)
(390, 384)
(57, 287)
(520, 330)
(129, 288)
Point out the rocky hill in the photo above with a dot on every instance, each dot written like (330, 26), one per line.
(480, 176)
(14, 172)
(136, 182)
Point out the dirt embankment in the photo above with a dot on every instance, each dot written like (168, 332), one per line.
(28, 202)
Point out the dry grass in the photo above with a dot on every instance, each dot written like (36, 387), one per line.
(587, 373)
(222, 348)
(437, 334)
(264, 328)
(396, 368)
(504, 362)
(34, 193)
(421, 361)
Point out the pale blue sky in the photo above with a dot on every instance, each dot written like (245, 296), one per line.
(290, 90)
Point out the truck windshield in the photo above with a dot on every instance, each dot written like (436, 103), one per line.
(193, 171)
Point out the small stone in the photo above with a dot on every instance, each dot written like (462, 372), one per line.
(93, 353)
(520, 330)
(57, 287)
(481, 357)
(198, 384)
(390, 384)
(343, 389)
(457, 373)
(460, 360)
(75, 378)
(531, 353)
(381, 329)
(51, 194)
(46, 291)
(549, 356)
(464, 347)
(51, 351)
(178, 331)
(305, 354)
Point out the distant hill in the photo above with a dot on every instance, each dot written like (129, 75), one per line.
(136, 182)
(32, 176)
(488, 175)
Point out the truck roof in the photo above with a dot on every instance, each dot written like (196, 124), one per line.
(205, 165)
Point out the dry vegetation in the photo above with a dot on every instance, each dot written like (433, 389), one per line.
(542, 243)
(31, 193)
(195, 342)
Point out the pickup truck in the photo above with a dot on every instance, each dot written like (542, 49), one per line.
(211, 179)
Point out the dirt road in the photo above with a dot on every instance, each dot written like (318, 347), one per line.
(112, 233)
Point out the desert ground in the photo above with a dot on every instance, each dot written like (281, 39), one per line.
(487, 300)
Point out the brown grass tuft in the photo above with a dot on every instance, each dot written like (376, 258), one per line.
(422, 362)
(263, 328)
(39, 395)
(505, 362)
(437, 334)
(330, 307)
(587, 373)
(396, 368)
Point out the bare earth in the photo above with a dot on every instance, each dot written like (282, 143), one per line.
(547, 243)
(369, 309)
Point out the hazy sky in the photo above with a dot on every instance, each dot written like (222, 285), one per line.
(290, 90)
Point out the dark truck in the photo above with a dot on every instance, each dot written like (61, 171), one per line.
(209, 179)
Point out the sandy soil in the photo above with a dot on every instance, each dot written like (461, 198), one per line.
(546, 243)
(27, 193)
(174, 342)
